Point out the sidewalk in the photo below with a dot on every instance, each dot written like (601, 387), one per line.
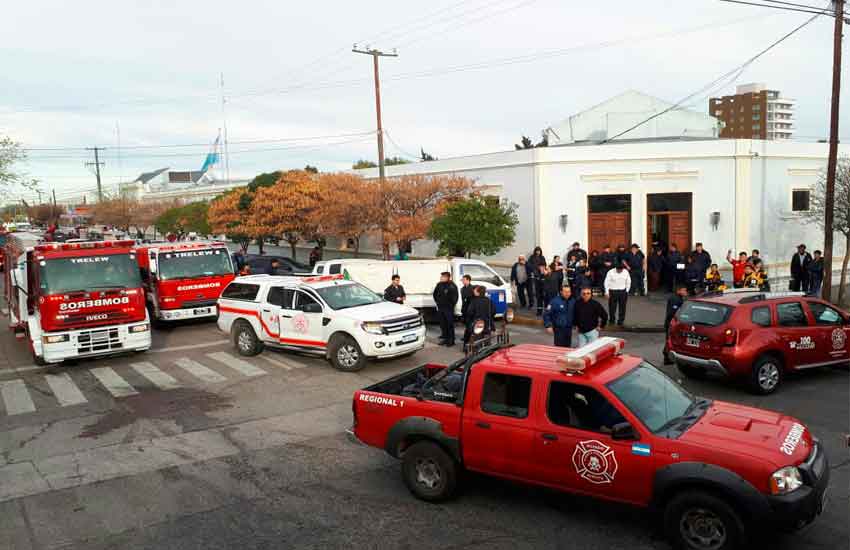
(643, 313)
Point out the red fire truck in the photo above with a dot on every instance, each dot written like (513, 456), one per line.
(183, 280)
(75, 299)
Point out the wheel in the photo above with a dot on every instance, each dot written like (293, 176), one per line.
(245, 340)
(345, 354)
(694, 373)
(429, 473)
(700, 521)
(766, 375)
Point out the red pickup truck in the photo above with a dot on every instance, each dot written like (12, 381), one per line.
(596, 422)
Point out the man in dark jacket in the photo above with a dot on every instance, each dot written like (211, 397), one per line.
(445, 296)
(675, 267)
(559, 316)
(552, 284)
(800, 269)
(636, 262)
(701, 258)
(575, 254)
(539, 277)
(395, 292)
(481, 309)
(608, 259)
(466, 295)
(673, 304)
(521, 276)
(590, 316)
(816, 274)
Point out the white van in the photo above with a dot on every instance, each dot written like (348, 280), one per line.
(419, 277)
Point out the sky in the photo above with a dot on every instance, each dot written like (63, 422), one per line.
(472, 76)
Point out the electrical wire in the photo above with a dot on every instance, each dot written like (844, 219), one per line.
(725, 76)
(779, 7)
(399, 149)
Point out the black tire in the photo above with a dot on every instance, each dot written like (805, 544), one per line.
(766, 375)
(345, 354)
(694, 373)
(245, 340)
(429, 472)
(696, 520)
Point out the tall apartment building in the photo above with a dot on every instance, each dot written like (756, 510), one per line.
(754, 112)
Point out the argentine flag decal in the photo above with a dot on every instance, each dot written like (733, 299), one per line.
(641, 449)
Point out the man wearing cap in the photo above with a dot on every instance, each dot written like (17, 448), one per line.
(800, 270)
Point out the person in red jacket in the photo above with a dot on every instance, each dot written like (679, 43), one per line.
(737, 268)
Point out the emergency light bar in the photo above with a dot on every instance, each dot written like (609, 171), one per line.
(577, 360)
(322, 278)
(47, 247)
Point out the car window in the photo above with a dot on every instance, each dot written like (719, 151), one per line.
(279, 296)
(695, 312)
(320, 269)
(240, 291)
(302, 299)
(506, 395)
(761, 316)
(481, 274)
(825, 315)
(581, 407)
(334, 269)
(791, 315)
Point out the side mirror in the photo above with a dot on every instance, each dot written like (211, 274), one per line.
(311, 308)
(624, 431)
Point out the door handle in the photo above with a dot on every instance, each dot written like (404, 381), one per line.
(550, 437)
(267, 311)
(286, 316)
(483, 425)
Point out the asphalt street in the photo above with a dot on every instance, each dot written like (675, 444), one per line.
(190, 446)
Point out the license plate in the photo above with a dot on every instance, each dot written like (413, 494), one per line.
(203, 311)
(409, 338)
(693, 342)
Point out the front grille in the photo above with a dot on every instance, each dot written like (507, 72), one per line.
(96, 341)
(401, 324)
(78, 319)
(199, 303)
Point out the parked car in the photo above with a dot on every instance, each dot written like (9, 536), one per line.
(598, 423)
(757, 336)
(262, 264)
(327, 315)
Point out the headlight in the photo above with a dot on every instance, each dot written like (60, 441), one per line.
(140, 328)
(785, 480)
(55, 338)
(372, 328)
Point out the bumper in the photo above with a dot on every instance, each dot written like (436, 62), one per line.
(187, 313)
(96, 342)
(388, 346)
(708, 364)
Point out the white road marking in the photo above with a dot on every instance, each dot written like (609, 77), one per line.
(189, 346)
(200, 371)
(64, 389)
(284, 362)
(237, 364)
(16, 397)
(275, 362)
(113, 383)
(160, 379)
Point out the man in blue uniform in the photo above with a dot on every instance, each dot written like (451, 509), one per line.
(558, 318)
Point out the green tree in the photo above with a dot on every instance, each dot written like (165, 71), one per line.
(311, 169)
(180, 220)
(475, 225)
(266, 179)
(361, 164)
(395, 161)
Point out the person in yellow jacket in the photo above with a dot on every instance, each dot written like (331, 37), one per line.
(756, 278)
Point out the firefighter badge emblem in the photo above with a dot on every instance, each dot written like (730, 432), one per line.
(838, 339)
(595, 462)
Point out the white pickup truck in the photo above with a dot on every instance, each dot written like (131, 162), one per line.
(327, 315)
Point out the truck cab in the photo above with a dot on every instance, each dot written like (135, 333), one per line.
(597, 422)
(183, 280)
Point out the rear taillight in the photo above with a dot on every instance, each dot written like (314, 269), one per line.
(730, 337)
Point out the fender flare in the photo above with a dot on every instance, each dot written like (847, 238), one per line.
(698, 475)
(421, 427)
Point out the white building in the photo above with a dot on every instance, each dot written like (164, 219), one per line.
(623, 114)
(165, 184)
(727, 194)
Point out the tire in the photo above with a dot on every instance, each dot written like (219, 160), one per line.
(766, 375)
(345, 354)
(429, 472)
(696, 520)
(245, 340)
(694, 373)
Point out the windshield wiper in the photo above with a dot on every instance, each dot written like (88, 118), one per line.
(108, 286)
(693, 413)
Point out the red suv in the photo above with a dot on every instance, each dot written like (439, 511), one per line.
(759, 337)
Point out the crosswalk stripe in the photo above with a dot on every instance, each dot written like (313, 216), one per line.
(286, 363)
(200, 371)
(16, 397)
(64, 389)
(276, 362)
(237, 364)
(113, 383)
(159, 379)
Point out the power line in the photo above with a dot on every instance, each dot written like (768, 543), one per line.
(723, 77)
(815, 11)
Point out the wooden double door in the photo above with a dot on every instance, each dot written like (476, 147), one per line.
(611, 228)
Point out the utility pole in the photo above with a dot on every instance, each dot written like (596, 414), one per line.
(375, 55)
(39, 195)
(829, 200)
(97, 164)
(54, 197)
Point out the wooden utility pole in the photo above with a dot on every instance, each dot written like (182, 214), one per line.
(375, 55)
(97, 164)
(833, 150)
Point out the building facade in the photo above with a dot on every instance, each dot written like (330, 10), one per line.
(754, 112)
(728, 194)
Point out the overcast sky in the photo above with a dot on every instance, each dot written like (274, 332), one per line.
(74, 73)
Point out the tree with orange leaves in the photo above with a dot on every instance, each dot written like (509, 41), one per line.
(351, 207)
(290, 208)
(229, 214)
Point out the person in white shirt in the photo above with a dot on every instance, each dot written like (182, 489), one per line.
(617, 285)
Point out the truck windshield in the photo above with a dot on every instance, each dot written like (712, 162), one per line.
(653, 397)
(350, 295)
(194, 263)
(88, 273)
